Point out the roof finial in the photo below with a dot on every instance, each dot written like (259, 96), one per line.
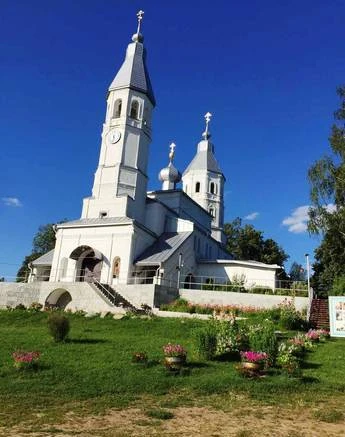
(140, 15)
(206, 134)
(172, 152)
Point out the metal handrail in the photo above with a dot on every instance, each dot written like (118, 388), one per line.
(104, 291)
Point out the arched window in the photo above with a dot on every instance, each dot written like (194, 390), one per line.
(146, 117)
(134, 110)
(116, 267)
(197, 187)
(213, 188)
(211, 211)
(117, 108)
(63, 267)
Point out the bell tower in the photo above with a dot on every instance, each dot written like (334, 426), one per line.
(204, 181)
(120, 182)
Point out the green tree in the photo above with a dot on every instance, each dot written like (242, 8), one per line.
(43, 242)
(247, 243)
(327, 212)
(297, 272)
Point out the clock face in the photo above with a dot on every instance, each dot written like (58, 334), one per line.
(114, 136)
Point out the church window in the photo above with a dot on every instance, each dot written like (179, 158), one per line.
(134, 109)
(211, 211)
(63, 267)
(146, 117)
(197, 187)
(116, 267)
(213, 188)
(117, 108)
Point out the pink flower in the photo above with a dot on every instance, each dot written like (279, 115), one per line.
(254, 357)
(174, 350)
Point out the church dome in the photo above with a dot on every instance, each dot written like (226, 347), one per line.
(170, 174)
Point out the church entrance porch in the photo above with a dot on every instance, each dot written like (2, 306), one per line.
(89, 263)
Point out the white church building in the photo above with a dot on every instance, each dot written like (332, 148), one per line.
(139, 245)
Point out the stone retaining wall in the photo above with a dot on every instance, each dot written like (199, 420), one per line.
(204, 297)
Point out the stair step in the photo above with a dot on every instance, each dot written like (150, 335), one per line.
(319, 314)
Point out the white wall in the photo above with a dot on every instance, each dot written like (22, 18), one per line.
(255, 275)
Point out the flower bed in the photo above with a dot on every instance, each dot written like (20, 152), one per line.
(26, 360)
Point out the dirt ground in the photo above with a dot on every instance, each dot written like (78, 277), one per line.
(190, 421)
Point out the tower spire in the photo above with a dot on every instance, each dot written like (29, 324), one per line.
(207, 134)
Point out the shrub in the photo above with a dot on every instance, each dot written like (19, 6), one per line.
(59, 326)
(139, 357)
(205, 342)
(288, 361)
(261, 290)
(291, 318)
(20, 306)
(230, 338)
(262, 338)
(35, 307)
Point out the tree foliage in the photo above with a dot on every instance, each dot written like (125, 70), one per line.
(43, 242)
(247, 243)
(297, 272)
(327, 212)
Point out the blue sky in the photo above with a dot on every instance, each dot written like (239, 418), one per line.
(266, 70)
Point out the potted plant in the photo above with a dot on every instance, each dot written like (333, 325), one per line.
(174, 356)
(254, 360)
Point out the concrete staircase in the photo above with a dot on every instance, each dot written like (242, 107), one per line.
(319, 314)
(113, 297)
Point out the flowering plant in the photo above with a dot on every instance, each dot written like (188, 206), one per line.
(289, 363)
(299, 344)
(139, 357)
(323, 334)
(313, 335)
(254, 357)
(174, 350)
(26, 360)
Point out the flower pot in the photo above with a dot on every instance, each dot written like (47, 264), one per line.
(251, 366)
(174, 363)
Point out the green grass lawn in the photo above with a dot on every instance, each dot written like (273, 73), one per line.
(93, 369)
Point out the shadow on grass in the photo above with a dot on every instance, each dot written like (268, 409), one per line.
(309, 365)
(309, 380)
(230, 356)
(85, 340)
(146, 364)
(195, 365)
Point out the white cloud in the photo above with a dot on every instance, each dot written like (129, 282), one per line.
(297, 221)
(12, 201)
(251, 216)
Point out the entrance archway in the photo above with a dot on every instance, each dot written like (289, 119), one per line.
(58, 298)
(89, 263)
